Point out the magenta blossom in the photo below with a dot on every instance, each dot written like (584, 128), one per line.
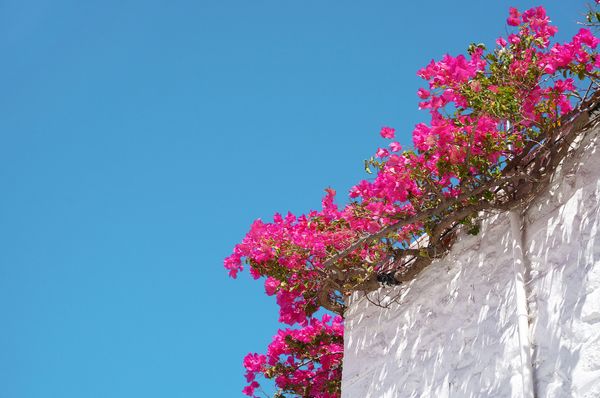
(395, 147)
(514, 17)
(422, 93)
(387, 132)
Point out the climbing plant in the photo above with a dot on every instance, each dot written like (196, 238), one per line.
(500, 121)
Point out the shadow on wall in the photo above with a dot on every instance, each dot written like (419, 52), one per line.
(452, 332)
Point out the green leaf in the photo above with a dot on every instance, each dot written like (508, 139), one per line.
(474, 230)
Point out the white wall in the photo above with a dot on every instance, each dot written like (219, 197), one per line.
(452, 332)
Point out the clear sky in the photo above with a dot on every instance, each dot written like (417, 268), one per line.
(139, 140)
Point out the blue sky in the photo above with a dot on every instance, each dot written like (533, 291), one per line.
(139, 140)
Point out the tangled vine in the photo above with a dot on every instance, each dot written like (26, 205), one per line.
(501, 121)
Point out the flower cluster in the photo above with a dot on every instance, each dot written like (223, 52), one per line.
(306, 362)
(488, 110)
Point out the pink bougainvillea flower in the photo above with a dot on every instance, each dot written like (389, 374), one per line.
(420, 136)
(271, 285)
(514, 17)
(423, 94)
(587, 38)
(395, 147)
(514, 39)
(387, 132)
(475, 86)
(382, 153)
(249, 389)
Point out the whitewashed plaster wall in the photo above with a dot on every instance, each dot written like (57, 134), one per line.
(452, 332)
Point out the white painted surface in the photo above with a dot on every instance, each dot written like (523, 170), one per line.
(453, 332)
(517, 232)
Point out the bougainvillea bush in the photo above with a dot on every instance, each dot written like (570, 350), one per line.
(499, 121)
